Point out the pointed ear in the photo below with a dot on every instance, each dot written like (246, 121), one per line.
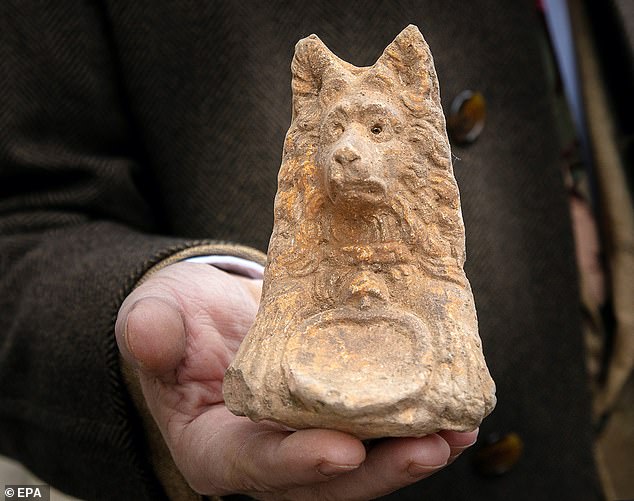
(311, 61)
(409, 58)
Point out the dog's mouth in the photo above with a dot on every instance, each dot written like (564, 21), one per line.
(362, 191)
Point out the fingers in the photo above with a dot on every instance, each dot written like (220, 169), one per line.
(391, 465)
(322, 464)
(272, 463)
(258, 458)
(458, 441)
(316, 464)
(151, 335)
(266, 460)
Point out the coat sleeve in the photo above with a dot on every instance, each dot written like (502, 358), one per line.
(77, 226)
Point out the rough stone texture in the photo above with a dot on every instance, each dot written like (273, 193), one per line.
(367, 322)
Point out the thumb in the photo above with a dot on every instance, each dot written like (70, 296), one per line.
(151, 335)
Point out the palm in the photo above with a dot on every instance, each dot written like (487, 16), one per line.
(217, 310)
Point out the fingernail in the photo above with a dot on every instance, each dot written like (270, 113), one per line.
(126, 334)
(456, 451)
(128, 344)
(465, 447)
(332, 470)
(416, 470)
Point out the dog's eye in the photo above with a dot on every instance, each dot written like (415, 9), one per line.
(376, 129)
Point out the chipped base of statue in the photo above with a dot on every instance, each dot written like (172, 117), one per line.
(367, 322)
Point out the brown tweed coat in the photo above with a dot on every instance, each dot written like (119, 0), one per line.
(132, 130)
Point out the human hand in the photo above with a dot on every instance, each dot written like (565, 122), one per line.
(181, 328)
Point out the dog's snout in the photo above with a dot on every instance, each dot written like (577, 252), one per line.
(346, 155)
(352, 176)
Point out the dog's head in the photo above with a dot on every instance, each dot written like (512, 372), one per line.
(366, 140)
(361, 149)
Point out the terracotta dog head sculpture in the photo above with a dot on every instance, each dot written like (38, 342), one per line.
(367, 322)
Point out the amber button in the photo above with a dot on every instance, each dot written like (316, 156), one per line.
(498, 454)
(466, 117)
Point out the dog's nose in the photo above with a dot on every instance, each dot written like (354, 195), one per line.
(346, 155)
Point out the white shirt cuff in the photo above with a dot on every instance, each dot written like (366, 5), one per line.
(231, 264)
